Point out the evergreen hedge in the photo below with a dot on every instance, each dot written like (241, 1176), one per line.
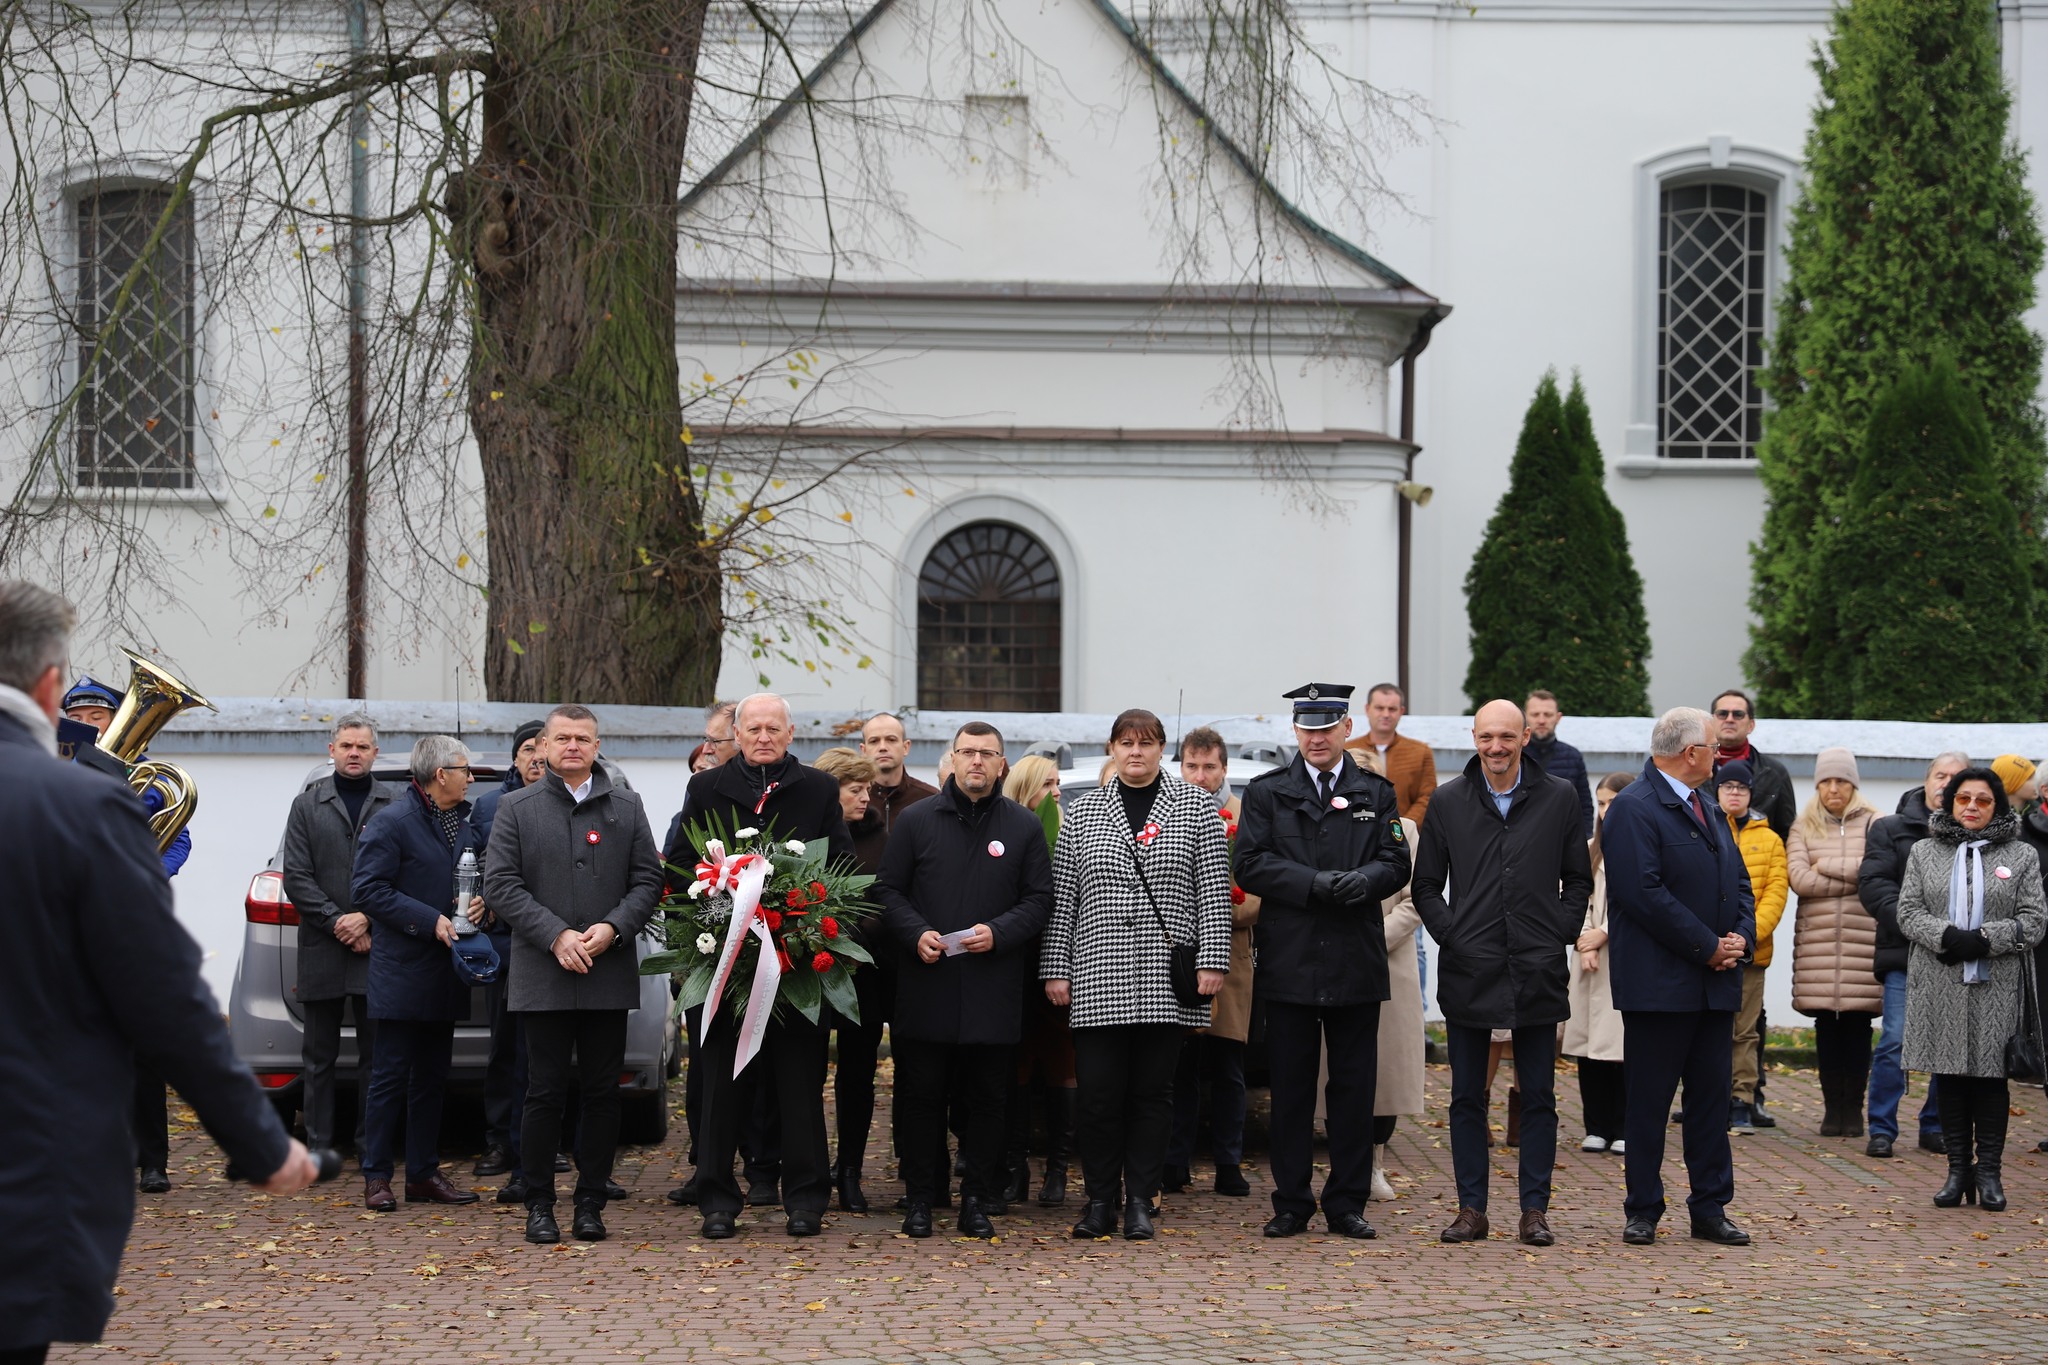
(1915, 236)
(1934, 613)
(1552, 596)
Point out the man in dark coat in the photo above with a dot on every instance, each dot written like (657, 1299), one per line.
(1505, 838)
(573, 869)
(98, 976)
(1557, 758)
(968, 860)
(1770, 793)
(404, 881)
(1878, 879)
(505, 1072)
(1680, 917)
(1320, 842)
(319, 858)
(763, 787)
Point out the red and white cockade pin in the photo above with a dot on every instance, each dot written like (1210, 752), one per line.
(995, 848)
(591, 837)
(2003, 874)
(1148, 834)
(1340, 803)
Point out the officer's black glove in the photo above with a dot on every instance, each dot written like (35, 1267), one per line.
(1323, 890)
(1354, 889)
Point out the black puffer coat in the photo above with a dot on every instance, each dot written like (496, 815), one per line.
(1885, 847)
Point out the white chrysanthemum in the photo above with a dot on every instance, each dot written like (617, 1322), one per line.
(795, 845)
(747, 833)
(706, 944)
(698, 888)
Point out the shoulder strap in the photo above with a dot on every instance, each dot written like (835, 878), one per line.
(1151, 900)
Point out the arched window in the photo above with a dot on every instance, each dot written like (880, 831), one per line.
(1714, 246)
(988, 622)
(135, 416)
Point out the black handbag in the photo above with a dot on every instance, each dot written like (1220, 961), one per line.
(2026, 1052)
(1180, 957)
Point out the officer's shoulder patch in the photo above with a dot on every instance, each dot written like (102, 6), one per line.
(1394, 828)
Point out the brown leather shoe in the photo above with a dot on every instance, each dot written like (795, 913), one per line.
(1536, 1229)
(1468, 1226)
(377, 1195)
(435, 1189)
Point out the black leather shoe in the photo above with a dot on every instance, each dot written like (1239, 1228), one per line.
(1719, 1229)
(589, 1223)
(1286, 1225)
(717, 1227)
(562, 1162)
(973, 1219)
(1353, 1225)
(153, 1181)
(763, 1195)
(1640, 1232)
(1137, 1220)
(540, 1225)
(684, 1195)
(514, 1189)
(1098, 1219)
(918, 1222)
(803, 1223)
(616, 1193)
(1230, 1180)
(495, 1161)
(1758, 1115)
(1175, 1179)
(1878, 1146)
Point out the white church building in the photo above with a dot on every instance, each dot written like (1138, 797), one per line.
(1126, 455)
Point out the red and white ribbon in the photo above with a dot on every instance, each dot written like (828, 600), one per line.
(745, 876)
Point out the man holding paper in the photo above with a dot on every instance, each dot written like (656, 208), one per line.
(965, 887)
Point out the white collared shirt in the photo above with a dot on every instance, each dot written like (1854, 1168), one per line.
(580, 794)
(1685, 793)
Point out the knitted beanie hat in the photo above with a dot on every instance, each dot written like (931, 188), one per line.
(1836, 762)
(2013, 771)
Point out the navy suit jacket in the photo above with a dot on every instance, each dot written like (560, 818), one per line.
(1673, 889)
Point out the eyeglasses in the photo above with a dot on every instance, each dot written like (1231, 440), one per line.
(1732, 715)
(456, 768)
(1964, 799)
(983, 755)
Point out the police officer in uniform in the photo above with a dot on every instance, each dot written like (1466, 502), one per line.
(1320, 841)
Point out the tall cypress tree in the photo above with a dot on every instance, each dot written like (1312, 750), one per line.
(1916, 236)
(1933, 612)
(1632, 628)
(1548, 589)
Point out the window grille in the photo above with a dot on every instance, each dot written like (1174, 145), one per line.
(988, 623)
(135, 413)
(1711, 299)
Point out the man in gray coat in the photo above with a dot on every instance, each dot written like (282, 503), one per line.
(572, 868)
(334, 938)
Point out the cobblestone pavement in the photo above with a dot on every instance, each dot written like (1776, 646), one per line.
(1851, 1264)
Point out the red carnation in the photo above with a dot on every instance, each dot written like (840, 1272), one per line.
(829, 927)
(773, 918)
(1237, 895)
(822, 963)
(818, 892)
(782, 960)
(795, 899)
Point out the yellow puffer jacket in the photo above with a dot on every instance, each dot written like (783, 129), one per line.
(1763, 853)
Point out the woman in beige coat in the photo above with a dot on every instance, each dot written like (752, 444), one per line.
(1834, 939)
(1593, 1033)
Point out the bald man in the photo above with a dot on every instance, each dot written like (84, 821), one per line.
(1504, 840)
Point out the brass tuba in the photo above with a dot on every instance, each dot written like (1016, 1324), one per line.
(154, 696)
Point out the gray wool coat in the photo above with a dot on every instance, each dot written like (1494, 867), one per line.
(318, 860)
(1953, 1029)
(555, 863)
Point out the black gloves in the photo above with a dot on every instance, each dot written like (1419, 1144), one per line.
(1963, 945)
(1349, 890)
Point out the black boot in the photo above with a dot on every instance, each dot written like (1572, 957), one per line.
(1059, 1145)
(1956, 1138)
(1991, 1124)
(1830, 1094)
(1852, 1094)
(1137, 1219)
(846, 1179)
(1017, 1146)
(1098, 1219)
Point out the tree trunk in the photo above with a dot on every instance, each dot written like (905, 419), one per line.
(601, 589)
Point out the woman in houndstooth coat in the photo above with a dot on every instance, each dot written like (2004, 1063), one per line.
(1104, 955)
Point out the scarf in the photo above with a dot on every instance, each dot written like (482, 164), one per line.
(22, 707)
(1966, 898)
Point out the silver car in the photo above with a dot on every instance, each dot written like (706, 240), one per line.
(268, 1027)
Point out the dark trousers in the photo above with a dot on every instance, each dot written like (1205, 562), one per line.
(1218, 1063)
(853, 1078)
(1536, 1077)
(1660, 1050)
(1841, 1046)
(1605, 1098)
(410, 1078)
(791, 1066)
(1295, 1035)
(152, 1107)
(583, 1051)
(1124, 1107)
(760, 1126)
(1979, 1108)
(504, 1074)
(321, 1053)
(25, 1355)
(927, 1075)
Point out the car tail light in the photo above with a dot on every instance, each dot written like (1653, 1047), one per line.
(267, 903)
(275, 1080)
(628, 1077)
